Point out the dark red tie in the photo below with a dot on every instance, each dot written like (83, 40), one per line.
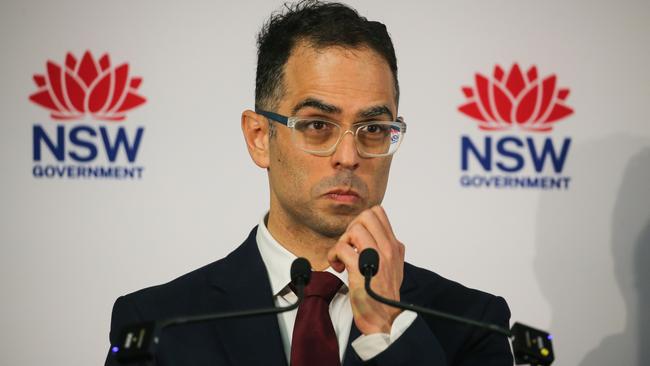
(314, 341)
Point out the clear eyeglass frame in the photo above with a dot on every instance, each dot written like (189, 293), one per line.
(291, 122)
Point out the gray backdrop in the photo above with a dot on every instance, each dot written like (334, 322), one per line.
(573, 261)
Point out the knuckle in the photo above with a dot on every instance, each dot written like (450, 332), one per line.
(352, 223)
(388, 256)
(354, 231)
(340, 246)
(367, 214)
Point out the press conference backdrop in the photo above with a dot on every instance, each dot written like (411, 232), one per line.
(525, 171)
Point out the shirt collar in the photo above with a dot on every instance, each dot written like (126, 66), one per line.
(278, 259)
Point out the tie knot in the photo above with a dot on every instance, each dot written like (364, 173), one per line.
(323, 284)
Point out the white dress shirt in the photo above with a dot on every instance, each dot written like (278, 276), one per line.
(277, 260)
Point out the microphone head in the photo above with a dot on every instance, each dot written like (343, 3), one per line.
(369, 262)
(300, 272)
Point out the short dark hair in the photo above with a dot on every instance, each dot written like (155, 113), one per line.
(322, 25)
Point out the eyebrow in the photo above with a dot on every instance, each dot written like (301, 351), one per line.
(317, 104)
(376, 111)
(371, 112)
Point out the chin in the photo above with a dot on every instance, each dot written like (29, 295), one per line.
(330, 231)
(333, 225)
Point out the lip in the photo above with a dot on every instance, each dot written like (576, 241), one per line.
(343, 195)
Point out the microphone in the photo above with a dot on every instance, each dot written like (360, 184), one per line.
(138, 342)
(530, 346)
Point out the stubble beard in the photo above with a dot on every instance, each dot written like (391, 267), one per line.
(327, 224)
(331, 221)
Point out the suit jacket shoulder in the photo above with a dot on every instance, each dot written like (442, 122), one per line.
(177, 297)
(463, 344)
(237, 282)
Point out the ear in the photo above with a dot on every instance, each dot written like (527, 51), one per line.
(256, 133)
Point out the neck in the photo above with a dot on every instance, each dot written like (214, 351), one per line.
(299, 239)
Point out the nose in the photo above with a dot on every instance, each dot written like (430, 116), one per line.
(346, 155)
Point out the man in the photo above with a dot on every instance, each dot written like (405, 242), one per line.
(325, 127)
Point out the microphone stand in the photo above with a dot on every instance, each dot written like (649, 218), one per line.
(530, 346)
(300, 289)
(138, 342)
(431, 312)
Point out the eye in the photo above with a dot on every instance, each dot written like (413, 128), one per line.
(376, 129)
(316, 125)
(373, 128)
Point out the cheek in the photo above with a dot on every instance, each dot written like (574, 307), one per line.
(380, 181)
(285, 170)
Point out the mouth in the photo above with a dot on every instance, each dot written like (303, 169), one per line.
(343, 195)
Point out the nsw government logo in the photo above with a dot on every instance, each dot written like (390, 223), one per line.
(515, 113)
(87, 100)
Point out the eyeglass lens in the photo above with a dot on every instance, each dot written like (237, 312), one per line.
(320, 136)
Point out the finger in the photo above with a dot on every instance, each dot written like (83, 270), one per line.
(369, 220)
(342, 252)
(397, 245)
(400, 245)
(383, 218)
(333, 257)
(334, 261)
(357, 238)
(360, 238)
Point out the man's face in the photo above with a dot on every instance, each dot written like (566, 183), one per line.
(348, 86)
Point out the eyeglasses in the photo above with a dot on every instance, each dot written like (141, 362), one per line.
(321, 137)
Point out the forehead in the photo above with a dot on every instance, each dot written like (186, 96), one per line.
(349, 78)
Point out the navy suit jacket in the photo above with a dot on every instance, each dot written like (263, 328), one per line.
(239, 281)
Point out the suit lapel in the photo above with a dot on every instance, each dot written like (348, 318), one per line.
(350, 357)
(245, 284)
(407, 292)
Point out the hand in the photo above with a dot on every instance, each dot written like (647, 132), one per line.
(371, 229)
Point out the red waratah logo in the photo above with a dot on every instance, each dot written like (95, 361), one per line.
(516, 100)
(87, 87)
